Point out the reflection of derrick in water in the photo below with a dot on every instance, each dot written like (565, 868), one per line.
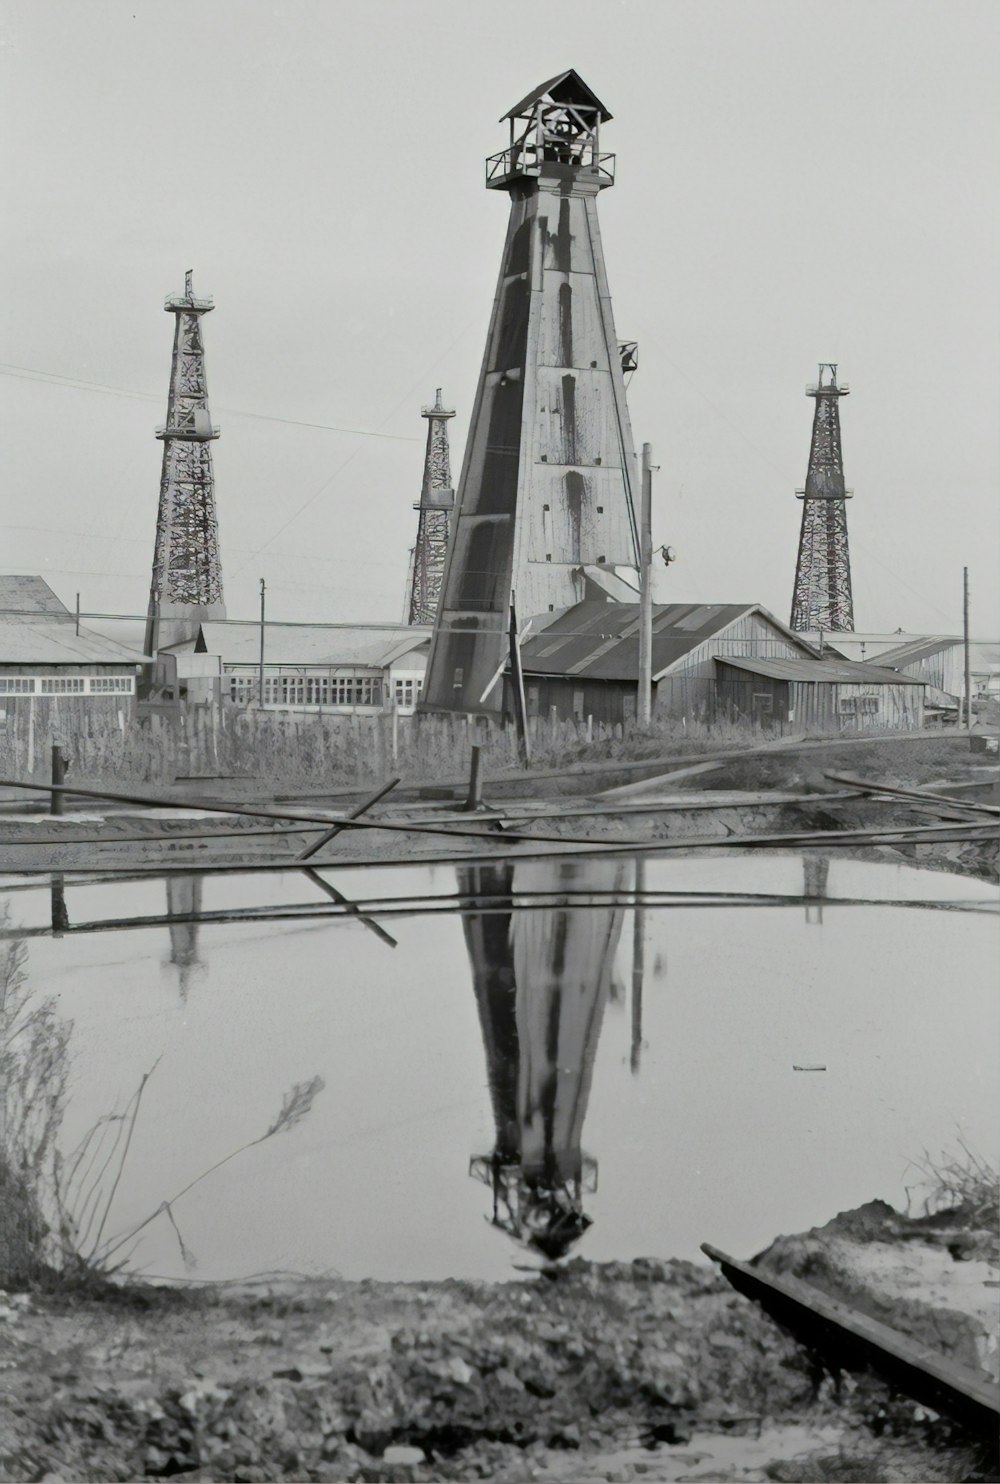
(815, 873)
(184, 900)
(541, 981)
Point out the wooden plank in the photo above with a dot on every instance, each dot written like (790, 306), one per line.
(848, 1338)
(647, 784)
(871, 787)
(362, 808)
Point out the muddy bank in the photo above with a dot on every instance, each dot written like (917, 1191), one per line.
(649, 1370)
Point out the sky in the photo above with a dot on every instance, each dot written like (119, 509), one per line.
(795, 183)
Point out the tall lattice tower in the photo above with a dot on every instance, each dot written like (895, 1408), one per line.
(822, 596)
(546, 486)
(187, 575)
(437, 500)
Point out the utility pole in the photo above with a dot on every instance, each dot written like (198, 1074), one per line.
(638, 961)
(965, 645)
(260, 677)
(644, 708)
(517, 685)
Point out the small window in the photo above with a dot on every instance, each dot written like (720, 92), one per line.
(600, 509)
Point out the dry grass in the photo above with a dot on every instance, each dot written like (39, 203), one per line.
(960, 1184)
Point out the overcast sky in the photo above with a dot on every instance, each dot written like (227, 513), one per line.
(796, 183)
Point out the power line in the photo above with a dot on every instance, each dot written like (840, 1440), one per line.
(352, 456)
(76, 383)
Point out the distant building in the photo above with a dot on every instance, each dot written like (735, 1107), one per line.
(52, 666)
(307, 667)
(935, 658)
(708, 660)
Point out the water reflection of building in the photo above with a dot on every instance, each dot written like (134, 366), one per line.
(542, 978)
(184, 902)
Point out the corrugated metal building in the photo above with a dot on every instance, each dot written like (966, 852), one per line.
(937, 658)
(54, 669)
(940, 660)
(307, 667)
(709, 660)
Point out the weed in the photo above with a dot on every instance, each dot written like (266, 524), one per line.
(56, 1208)
(963, 1185)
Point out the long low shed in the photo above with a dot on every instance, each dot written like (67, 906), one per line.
(708, 660)
(825, 693)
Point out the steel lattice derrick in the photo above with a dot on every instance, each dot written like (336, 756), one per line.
(437, 499)
(822, 597)
(186, 582)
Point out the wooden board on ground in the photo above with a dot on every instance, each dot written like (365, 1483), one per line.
(846, 1338)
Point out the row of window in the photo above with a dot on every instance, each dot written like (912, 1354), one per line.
(67, 685)
(859, 705)
(322, 690)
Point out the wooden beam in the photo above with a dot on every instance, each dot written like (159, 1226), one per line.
(854, 1340)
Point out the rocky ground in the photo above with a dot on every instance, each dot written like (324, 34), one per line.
(643, 1371)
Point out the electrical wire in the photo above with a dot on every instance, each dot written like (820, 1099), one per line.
(76, 383)
(352, 456)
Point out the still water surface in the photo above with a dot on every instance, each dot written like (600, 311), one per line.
(509, 1081)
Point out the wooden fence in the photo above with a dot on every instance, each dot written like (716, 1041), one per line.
(289, 749)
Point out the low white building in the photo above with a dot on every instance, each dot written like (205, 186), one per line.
(352, 668)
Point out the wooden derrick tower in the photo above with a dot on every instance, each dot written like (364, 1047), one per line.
(547, 479)
(437, 500)
(822, 595)
(187, 575)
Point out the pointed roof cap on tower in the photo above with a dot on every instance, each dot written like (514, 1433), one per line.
(566, 87)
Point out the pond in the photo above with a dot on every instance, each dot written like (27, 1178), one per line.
(547, 1070)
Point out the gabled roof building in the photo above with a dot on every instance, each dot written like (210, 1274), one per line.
(709, 659)
(54, 668)
(310, 667)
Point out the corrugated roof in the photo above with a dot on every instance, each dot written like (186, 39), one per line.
(916, 650)
(27, 642)
(601, 640)
(376, 645)
(819, 672)
(22, 597)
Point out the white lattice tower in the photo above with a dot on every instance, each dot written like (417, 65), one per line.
(436, 503)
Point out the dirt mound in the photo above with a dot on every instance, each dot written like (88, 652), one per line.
(931, 1278)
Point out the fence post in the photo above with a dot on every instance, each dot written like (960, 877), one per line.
(58, 777)
(590, 729)
(475, 795)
